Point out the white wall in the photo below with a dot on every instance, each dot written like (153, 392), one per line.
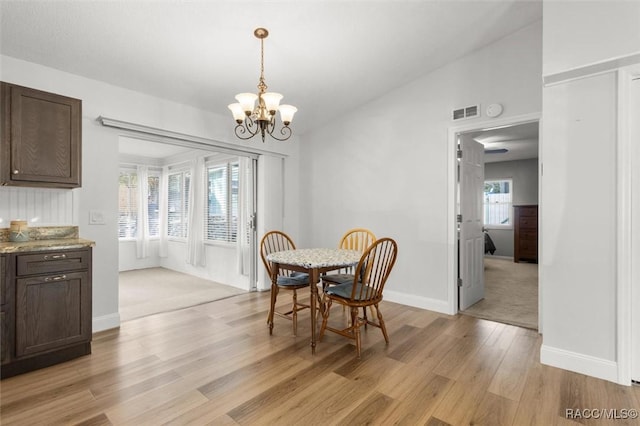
(100, 160)
(580, 33)
(128, 259)
(577, 265)
(579, 257)
(385, 165)
(220, 263)
(524, 174)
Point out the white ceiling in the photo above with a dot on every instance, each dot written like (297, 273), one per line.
(520, 141)
(324, 56)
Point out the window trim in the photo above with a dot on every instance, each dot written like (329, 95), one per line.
(131, 171)
(185, 201)
(511, 211)
(228, 164)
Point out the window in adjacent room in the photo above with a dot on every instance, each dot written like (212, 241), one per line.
(178, 204)
(498, 203)
(221, 210)
(153, 203)
(128, 201)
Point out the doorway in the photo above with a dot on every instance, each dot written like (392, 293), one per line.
(186, 226)
(511, 150)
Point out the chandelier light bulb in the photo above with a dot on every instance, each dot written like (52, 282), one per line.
(286, 113)
(237, 111)
(247, 101)
(271, 101)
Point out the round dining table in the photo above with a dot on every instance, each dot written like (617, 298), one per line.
(313, 261)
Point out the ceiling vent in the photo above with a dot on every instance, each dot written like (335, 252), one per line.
(466, 112)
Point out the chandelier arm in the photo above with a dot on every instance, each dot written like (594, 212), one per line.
(285, 131)
(241, 129)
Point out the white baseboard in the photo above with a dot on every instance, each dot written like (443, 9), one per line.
(106, 322)
(498, 257)
(579, 363)
(429, 304)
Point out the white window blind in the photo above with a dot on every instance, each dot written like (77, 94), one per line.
(127, 204)
(498, 203)
(153, 202)
(178, 204)
(221, 210)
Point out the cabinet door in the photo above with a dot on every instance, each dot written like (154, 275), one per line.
(3, 279)
(52, 312)
(4, 338)
(41, 138)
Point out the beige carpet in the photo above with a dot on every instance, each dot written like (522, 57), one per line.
(150, 291)
(511, 293)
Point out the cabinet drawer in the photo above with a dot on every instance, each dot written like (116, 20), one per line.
(528, 222)
(52, 262)
(52, 312)
(528, 211)
(528, 247)
(528, 235)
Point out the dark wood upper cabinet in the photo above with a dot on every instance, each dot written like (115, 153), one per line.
(41, 138)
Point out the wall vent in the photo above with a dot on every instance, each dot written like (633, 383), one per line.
(466, 112)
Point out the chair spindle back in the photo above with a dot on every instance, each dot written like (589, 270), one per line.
(274, 241)
(375, 266)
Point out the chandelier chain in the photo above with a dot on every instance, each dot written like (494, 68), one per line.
(262, 86)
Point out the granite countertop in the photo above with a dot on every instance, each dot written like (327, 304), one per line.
(44, 238)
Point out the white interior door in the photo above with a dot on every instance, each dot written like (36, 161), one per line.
(635, 226)
(471, 241)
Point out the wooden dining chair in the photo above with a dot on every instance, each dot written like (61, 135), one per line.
(358, 239)
(365, 290)
(272, 242)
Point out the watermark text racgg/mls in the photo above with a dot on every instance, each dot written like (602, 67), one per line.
(601, 413)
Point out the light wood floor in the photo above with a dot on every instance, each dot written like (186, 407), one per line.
(217, 364)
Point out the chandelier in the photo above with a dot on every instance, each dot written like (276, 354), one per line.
(252, 118)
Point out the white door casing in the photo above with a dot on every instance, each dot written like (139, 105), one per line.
(634, 137)
(471, 242)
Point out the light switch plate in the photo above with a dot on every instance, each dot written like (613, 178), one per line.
(96, 217)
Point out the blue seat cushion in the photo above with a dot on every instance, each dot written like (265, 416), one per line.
(338, 278)
(344, 291)
(296, 278)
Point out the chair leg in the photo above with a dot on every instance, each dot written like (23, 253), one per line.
(356, 329)
(325, 317)
(294, 313)
(364, 313)
(382, 326)
(272, 307)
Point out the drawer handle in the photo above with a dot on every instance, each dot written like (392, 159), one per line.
(55, 257)
(58, 278)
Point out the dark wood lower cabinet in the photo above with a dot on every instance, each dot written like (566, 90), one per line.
(51, 312)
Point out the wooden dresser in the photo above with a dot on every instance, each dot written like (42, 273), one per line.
(525, 235)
